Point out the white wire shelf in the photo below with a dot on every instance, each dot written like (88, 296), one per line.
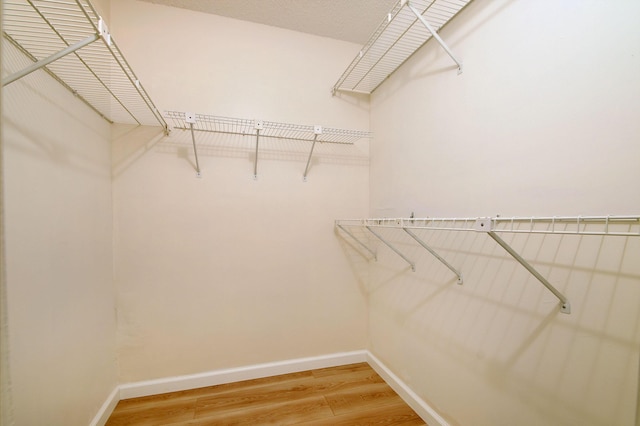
(70, 41)
(261, 129)
(625, 226)
(399, 35)
(267, 129)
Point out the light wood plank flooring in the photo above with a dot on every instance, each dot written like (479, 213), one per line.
(347, 395)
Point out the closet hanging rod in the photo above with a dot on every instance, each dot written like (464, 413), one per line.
(70, 41)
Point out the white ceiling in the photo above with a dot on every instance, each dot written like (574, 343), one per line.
(349, 20)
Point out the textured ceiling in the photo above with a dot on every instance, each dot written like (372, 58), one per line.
(349, 20)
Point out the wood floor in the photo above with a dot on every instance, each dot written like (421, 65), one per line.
(348, 395)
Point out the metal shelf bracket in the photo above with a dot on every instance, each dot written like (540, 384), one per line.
(258, 125)
(486, 225)
(363, 245)
(46, 61)
(436, 255)
(98, 74)
(395, 250)
(435, 35)
(405, 29)
(263, 130)
(317, 130)
(190, 118)
(621, 226)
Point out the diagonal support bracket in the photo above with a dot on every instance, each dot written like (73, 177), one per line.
(54, 76)
(363, 245)
(436, 255)
(485, 225)
(46, 61)
(258, 125)
(395, 250)
(317, 130)
(435, 35)
(190, 118)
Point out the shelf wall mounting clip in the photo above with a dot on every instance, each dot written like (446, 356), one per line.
(363, 245)
(317, 130)
(104, 32)
(433, 252)
(434, 34)
(395, 250)
(190, 118)
(486, 225)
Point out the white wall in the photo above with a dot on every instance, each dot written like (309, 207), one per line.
(5, 395)
(543, 121)
(58, 227)
(223, 270)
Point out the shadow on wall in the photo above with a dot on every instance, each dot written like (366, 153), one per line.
(23, 137)
(358, 259)
(498, 343)
(361, 100)
(130, 143)
(432, 64)
(29, 138)
(31, 135)
(208, 144)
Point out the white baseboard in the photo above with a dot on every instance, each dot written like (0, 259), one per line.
(218, 377)
(424, 410)
(107, 408)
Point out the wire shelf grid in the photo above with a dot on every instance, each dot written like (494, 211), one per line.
(268, 129)
(97, 73)
(398, 36)
(627, 226)
(565, 225)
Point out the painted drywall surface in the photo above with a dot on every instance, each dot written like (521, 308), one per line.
(58, 224)
(515, 134)
(543, 121)
(191, 61)
(224, 270)
(6, 412)
(103, 7)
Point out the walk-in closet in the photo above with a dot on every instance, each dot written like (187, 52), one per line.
(320, 212)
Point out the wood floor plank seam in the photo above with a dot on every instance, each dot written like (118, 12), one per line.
(345, 395)
(332, 410)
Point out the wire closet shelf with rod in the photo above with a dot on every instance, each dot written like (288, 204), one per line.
(406, 28)
(604, 226)
(257, 129)
(71, 42)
